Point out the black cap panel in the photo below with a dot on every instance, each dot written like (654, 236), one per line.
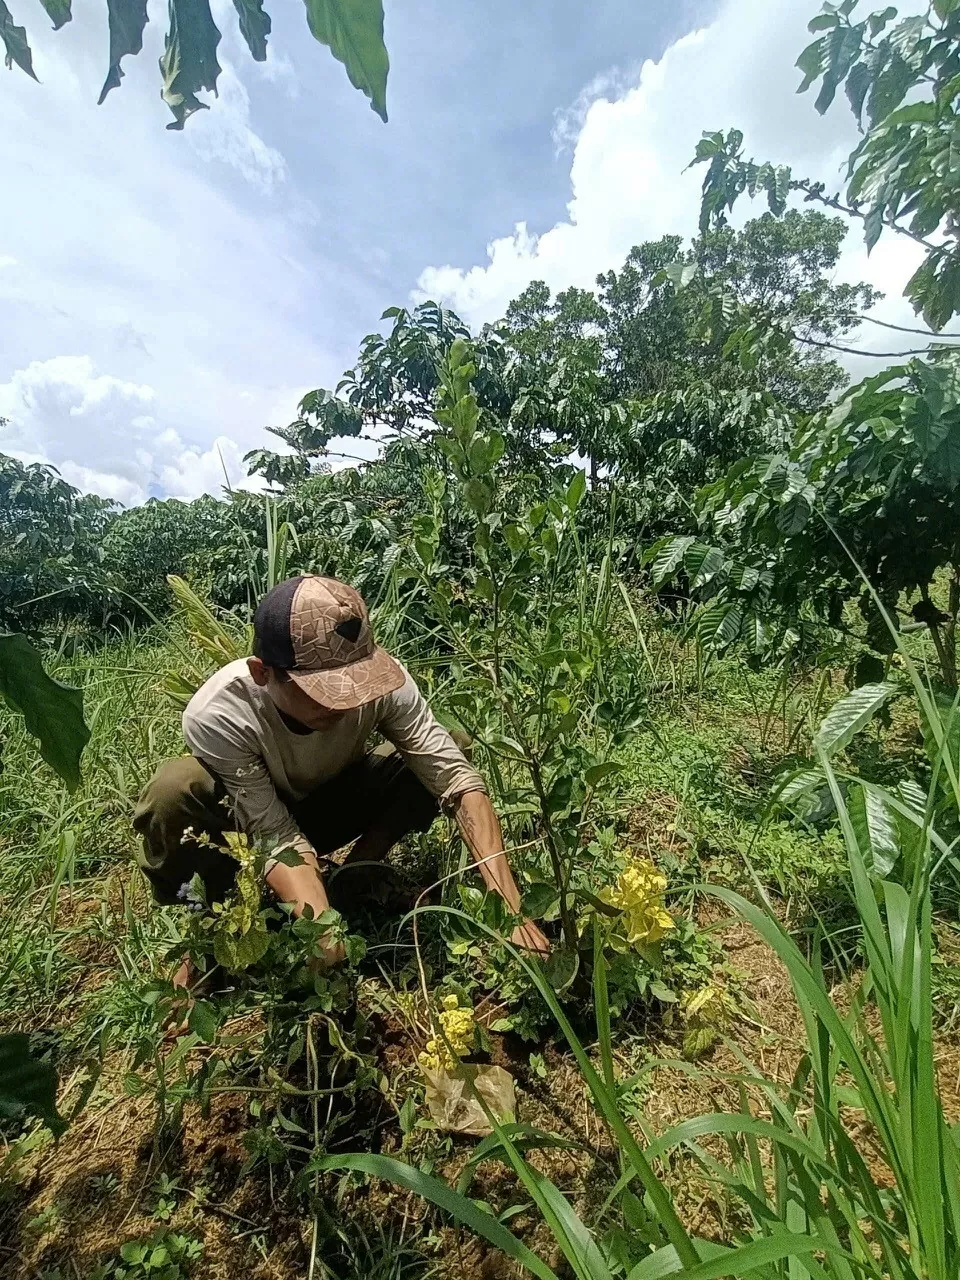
(272, 642)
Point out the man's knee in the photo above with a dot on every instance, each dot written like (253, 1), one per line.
(181, 786)
(181, 804)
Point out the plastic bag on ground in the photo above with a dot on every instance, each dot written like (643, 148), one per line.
(453, 1107)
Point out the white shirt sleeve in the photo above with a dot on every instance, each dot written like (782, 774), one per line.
(428, 749)
(253, 799)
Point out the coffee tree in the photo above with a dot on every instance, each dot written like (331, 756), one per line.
(866, 492)
(902, 81)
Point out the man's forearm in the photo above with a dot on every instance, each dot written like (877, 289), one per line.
(300, 885)
(480, 828)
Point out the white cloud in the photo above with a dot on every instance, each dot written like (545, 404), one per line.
(93, 428)
(609, 85)
(177, 288)
(196, 471)
(67, 382)
(127, 492)
(630, 147)
(227, 136)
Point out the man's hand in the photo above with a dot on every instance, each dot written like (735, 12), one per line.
(528, 937)
(176, 1024)
(330, 952)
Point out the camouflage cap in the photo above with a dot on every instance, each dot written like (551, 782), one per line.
(318, 630)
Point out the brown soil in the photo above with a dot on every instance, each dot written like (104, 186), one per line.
(76, 1202)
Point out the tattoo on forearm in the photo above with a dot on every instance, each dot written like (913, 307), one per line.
(467, 825)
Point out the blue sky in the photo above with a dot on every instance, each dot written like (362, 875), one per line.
(164, 296)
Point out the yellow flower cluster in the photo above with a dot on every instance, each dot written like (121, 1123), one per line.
(711, 1005)
(458, 1025)
(708, 1014)
(239, 847)
(638, 893)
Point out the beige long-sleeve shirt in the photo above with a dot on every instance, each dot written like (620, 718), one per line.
(232, 724)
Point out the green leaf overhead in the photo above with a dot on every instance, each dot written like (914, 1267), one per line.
(189, 61)
(58, 11)
(353, 31)
(126, 20)
(52, 712)
(254, 26)
(15, 42)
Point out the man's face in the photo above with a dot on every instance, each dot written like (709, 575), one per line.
(288, 697)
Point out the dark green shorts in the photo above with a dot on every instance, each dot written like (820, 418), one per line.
(184, 799)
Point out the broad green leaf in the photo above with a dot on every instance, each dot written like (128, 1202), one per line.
(875, 824)
(943, 8)
(560, 968)
(27, 1083)
(353, 31)
(515, 538)
(15, 42)
(941, 734)
(945, 460)
(701, 563)
(743, 577)
(51, 711)
(795, 512)
(58, 11)
(669, 557)
(189, 61)
(462, 1210)
(888, 89)
(478, 496)
(238, 953)
(810, 63)
(539, 899)
(496, 445)
(126, 20)
(255, 26)
(558, 797)
(719, 624)
(852, 713)
(681, 273)
(841, 46)
(203, 1021)
(597, 772)
(858, 84)
(877, 21)
(576, 490)
(799, 784)
(485, 452)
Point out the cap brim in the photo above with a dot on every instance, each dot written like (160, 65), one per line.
(345, 688)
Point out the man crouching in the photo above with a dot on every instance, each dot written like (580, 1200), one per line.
(280, 751)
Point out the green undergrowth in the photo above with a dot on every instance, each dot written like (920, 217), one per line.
(331, 1063)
